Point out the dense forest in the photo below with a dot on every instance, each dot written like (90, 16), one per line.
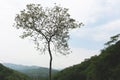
(9, 74)
(105, 66)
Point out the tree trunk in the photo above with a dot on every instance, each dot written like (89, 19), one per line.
(50, 64)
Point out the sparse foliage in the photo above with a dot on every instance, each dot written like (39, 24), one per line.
(48, 27)
(113, 39)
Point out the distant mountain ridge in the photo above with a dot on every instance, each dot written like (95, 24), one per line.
(9, 74)
(31, 71)
(21, 67)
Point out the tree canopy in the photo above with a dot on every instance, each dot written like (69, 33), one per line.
(46, 25)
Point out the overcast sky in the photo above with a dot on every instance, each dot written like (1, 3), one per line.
(101, 19)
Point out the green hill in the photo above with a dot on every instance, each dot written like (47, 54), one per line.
(106, 66)
(9, 74)
(35, 72)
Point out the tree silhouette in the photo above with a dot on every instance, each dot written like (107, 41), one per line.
(48, 27)
(113, 39)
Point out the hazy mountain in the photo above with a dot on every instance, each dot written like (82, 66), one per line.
(32, 71)
(9, 74)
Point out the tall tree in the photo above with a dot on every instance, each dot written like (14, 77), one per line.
(48, 27)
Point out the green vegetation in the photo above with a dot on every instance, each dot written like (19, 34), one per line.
(35, 72)
(9, 74)
(106, 66)
(39, 73)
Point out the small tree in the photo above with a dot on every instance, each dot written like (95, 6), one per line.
(48, 27)
(113, 40)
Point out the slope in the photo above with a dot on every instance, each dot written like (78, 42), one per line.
(9, 74)
(35, 72)
(106, 66)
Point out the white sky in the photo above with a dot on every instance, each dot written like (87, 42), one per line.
(101, 19)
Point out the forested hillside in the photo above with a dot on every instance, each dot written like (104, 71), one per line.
(35, 72)
(106, 66)
(9, 74)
